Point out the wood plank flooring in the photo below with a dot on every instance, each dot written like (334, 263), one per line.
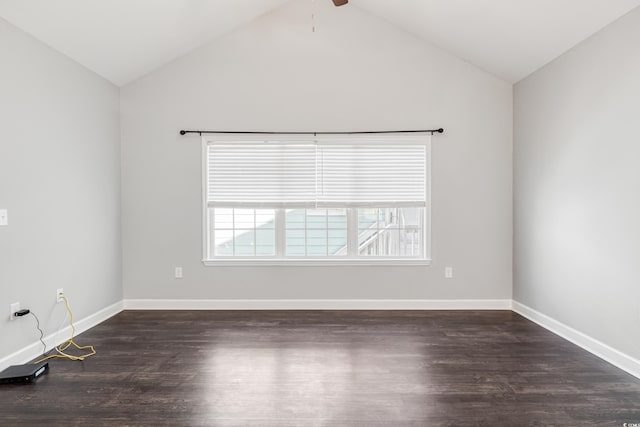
(325, 368)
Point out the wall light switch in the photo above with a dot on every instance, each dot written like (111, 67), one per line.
(448, 272)
(178, 272)
(4, 217)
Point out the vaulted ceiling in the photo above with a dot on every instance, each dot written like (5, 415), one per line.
(125, 39)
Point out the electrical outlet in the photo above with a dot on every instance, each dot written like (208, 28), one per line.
(448, 272)
(178, 273)
(14, 307)
(59, 294)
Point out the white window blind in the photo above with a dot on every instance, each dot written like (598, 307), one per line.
(372, 173)
(259, 174)
(362, 171)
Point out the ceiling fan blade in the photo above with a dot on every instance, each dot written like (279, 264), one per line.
(340, 2)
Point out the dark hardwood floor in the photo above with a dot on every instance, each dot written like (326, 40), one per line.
(325, 368)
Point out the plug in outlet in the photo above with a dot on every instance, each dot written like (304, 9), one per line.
(59, 294)
(14, 307)
(448, 272)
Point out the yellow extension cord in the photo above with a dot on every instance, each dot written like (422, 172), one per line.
(68, 343)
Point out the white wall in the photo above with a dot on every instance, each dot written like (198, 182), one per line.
(355, 73)
(577, 187)
(60, 181)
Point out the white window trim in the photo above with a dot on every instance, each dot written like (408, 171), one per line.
(312, 261)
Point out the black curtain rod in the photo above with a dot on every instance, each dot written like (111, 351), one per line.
(432, 131)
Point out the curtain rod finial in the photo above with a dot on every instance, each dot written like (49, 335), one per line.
(182, 132)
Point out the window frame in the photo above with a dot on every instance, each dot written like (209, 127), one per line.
(280, 258)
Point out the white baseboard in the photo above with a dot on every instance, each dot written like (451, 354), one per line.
(35, 349)
(592, 345)
(314, 304)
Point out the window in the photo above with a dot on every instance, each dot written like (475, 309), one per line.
(330, 199)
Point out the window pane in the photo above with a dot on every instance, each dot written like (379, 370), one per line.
(367, 217)
(411, 237)
(244, 218)
(265, 242)
(368, 231)
(295, 242)
(411, 243)
(337, 242)
(317, 218)
(243, 242)
(243, 232)
(295, 218)
(337, 218)
(337, 232)
(223, 218)
(316, 242)
(295, 247)
(316, 232)
(317, 245)
(265, 218)
(223, 242)
(390, 232)
(296, 234)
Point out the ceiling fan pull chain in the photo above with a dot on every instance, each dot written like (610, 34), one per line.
(313, 16)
